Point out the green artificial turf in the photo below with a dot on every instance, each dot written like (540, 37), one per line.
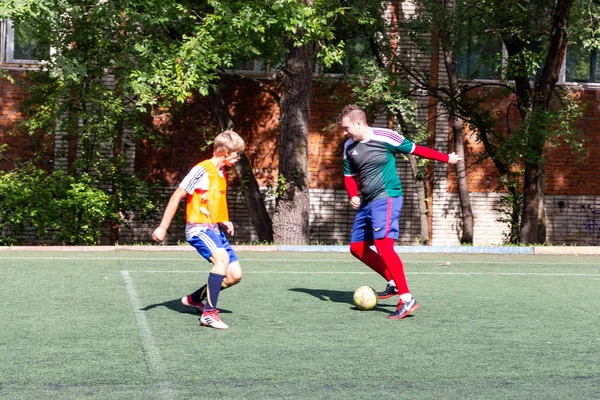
(98, 325)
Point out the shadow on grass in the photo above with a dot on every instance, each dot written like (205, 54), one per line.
(175, 305)
(338, 296)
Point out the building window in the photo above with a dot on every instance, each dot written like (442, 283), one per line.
(480, 58)
(18, 44)
(358, 50)
(484, 61)
(581, 65)
(250, 67)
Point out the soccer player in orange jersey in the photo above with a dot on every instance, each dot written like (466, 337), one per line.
(205, 187)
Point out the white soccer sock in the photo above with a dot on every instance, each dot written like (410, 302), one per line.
(392, 283)
(406, 297)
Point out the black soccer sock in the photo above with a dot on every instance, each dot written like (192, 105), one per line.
(214, 288)
(199, 295)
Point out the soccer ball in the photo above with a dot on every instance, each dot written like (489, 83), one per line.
(365, 298)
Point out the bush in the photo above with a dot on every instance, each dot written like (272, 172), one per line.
(26, 199)
(68, 209)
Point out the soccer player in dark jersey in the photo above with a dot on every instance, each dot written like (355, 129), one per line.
(370, 163)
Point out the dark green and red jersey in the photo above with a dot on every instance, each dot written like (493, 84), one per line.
(373, 163)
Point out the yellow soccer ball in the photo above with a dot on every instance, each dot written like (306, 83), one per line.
(365, 298)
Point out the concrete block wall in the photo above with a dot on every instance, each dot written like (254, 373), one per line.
(573, 219)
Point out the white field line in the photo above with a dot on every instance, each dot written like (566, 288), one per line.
(287, 260)
(151, 352)
(369, 272)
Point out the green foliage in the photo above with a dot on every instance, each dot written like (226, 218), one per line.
(14, 8)
(22, 203)
(549, 128)
(585, 24)
(211, 36)
(134, 199)
(564, 120)
(113, 62)
(511, 206)
(82, 101)
(378, 90)
(83, 209)
(376, 85)
(5, 75)
(65, 209)
(278, 190)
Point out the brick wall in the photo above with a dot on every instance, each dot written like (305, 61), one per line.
(19, 146)
(566, 173)
(256, 116)
(573, 185)
(11, 96)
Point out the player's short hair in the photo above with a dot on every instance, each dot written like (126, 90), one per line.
(229, 141)
(353, 112)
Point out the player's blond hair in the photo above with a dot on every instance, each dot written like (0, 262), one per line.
(229, 141)
(353, 112)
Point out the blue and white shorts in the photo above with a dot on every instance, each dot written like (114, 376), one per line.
(207, 241)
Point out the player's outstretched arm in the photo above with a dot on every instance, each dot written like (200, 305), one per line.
(432, 154)
(161, 231)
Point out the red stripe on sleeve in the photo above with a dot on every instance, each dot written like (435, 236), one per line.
(430, 153)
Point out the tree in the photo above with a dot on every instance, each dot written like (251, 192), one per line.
(534, 102)
(534, 35)
(79, 101)
(161, 53)
(442, 37)
(291, 218)
(265, 30)
(457, 123)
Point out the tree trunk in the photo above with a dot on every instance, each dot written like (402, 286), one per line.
(117, 148)
(533, 219)
(459, 143)
(541, 237)
(420, 185)
(256, 206)
(466, 210)
(533, 224)
(291, 218)
(531, 203)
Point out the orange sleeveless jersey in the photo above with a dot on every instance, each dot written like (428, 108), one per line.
(213, 200)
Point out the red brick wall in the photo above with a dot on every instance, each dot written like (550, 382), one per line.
(566, 173)
(11, 96)
(20, 147)
(256, 116)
